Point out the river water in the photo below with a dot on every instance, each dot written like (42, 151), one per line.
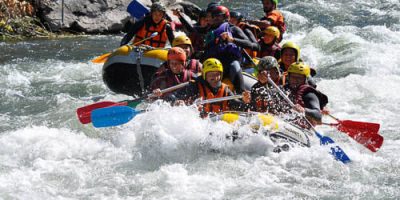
(45, 153)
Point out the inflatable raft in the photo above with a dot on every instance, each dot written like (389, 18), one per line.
(129, 69)
(279, 131)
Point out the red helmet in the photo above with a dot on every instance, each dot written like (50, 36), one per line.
(176, 53)
(220, 10)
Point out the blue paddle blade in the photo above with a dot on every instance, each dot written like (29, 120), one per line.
(336, 151)
(112, 116)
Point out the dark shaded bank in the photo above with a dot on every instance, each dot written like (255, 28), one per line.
(21, 19)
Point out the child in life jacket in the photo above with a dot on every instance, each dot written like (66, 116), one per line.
(174, 74)
(269, 45)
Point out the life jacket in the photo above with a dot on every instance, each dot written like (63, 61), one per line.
(192, 65)
(206, 93)
(217, 48)
(305, 89)
(168, 79)
(277, 20)
(269, 50)
(146, 30)
(256, 32)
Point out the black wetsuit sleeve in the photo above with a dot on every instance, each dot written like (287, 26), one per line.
(190, 92)
(170, 33)
(242, 40)
(132, 32)
(312, 106)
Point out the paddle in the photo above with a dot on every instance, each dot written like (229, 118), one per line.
(365, 133)
(103, 58)
(336, 151)
(118, 115)
(112, 116)
(84, 112)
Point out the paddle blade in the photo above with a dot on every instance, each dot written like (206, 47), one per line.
(85, 111)
(370, 139)
(349, 125)
(336, 151)
(112, 116)
(101, 59)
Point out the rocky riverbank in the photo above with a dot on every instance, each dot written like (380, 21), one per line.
(49, 18)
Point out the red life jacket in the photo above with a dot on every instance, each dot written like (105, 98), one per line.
(168, 79)
(206, 93)
(194, 66)
(269, 50)
(146, 31)
(305, 89)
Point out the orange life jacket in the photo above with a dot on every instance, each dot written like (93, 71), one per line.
(146, 31)
(256, 32)
(277, 20)
(206, 93)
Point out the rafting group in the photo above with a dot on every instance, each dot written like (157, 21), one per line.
(225, 42)
(238, 63)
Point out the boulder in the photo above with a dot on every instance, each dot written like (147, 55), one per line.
(98, 16)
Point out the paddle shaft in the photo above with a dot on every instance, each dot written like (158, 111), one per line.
(151, 36)
(220, 99)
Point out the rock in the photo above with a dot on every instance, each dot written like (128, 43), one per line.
(98, 16)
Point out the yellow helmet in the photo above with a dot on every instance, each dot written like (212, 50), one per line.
(182, 39)
(272, 30)
(212, 65)
(300, 68)
(292, 45)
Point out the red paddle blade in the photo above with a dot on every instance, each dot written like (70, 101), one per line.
(370, 139)
(85, 111)
(365, 126)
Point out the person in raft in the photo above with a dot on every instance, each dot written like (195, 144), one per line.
(273, 17)
(209, 86)
(174, 74)
(155, 22)
(269, 45)
(308, 100)
(264, 97)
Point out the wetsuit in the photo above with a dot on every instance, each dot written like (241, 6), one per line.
(230, 59)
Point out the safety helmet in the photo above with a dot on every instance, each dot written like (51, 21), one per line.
(292, 45)
(157, 7)
(237, 15)
(220, 10)
(272, 30)
(273, 1)
(300, 68)
(268, 63)
(176, 53)
(182, 39)
(212, 65)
